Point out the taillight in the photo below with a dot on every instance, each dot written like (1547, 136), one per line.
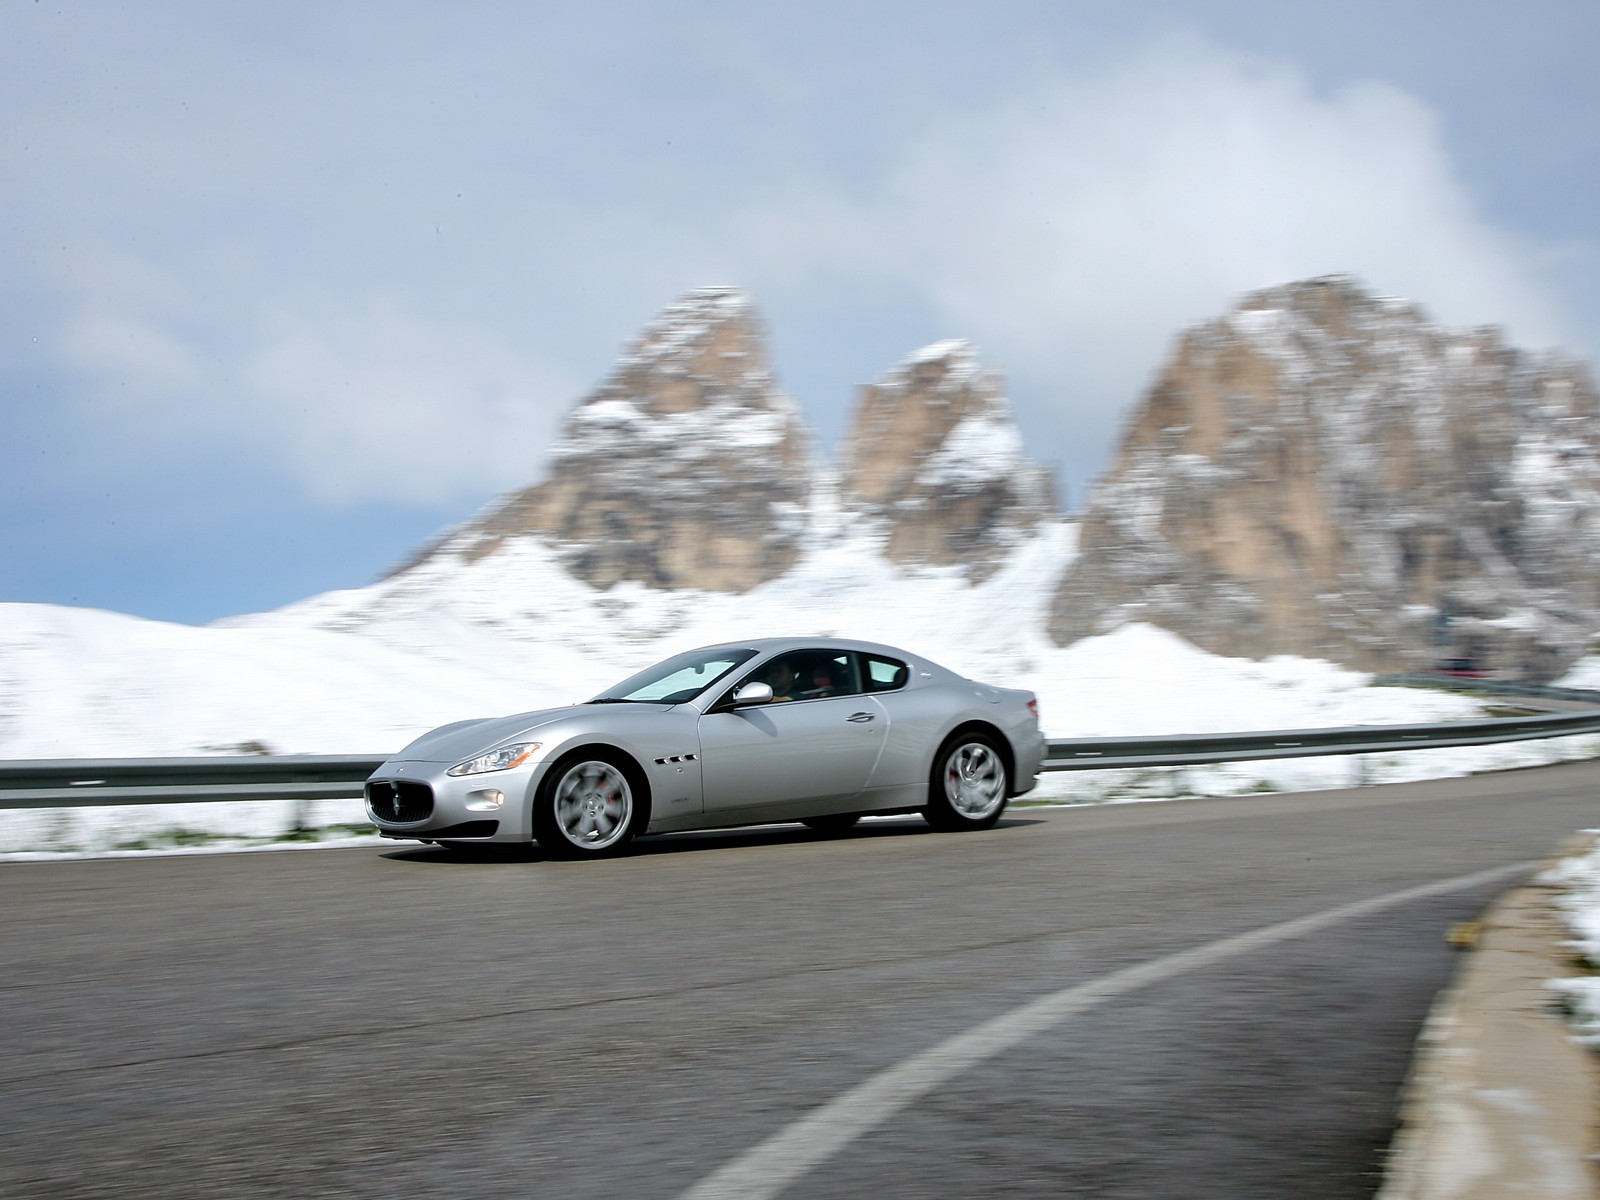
(1033, 707)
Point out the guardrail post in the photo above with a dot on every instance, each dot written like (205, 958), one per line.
(1358, 770)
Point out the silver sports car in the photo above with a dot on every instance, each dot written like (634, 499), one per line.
(817, 730)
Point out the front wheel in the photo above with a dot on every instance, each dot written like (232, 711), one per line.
(968, 788)
(586, 808)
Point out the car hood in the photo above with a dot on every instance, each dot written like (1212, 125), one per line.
(467, 739)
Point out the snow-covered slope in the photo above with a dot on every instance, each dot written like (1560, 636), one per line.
(363, 671)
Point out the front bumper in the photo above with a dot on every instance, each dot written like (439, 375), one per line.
(418, 800)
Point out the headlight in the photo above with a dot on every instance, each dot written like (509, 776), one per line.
(501, 758)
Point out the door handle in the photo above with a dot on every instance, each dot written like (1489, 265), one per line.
(859, 717)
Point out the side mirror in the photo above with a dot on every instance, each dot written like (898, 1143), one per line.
(754, 692)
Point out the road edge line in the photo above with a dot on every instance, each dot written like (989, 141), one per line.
(766, 1169)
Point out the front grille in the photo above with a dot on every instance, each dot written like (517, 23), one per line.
(401, 801)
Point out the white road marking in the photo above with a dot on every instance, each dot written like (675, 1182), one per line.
(768, 1168)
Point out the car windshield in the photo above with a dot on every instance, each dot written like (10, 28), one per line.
(678, 679)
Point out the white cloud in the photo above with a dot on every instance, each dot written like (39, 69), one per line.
(477, 254)
(358, 400)
(1076, 229)
(122, 328)
(384, 404)
(134, 358)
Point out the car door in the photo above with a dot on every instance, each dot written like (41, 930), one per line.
(812, 748)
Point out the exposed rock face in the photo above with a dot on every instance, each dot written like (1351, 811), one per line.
(686, 468)
(934, 451)
(1328, 474)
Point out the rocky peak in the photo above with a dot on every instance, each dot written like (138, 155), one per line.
(1328, 473)
(687, 467)
(934, 451)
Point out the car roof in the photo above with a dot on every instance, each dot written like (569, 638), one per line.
(766, 644)
(777, 645)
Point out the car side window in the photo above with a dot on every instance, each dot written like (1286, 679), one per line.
(808, 675)
(884, 674)
(828, 675)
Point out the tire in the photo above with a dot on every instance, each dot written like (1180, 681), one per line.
(968, 788)
(832, 823)
(588, 806)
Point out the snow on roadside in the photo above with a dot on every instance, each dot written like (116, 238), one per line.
(1578, 903)
(1585, 673)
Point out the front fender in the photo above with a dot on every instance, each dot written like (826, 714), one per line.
(664, 745)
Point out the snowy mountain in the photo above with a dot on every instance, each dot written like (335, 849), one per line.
(686, 468)
(935, 453)
(686, 506)
(682, 505)
(1325, 473)
(689, 468)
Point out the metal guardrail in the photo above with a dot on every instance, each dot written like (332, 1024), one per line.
(77, 783)
(1088, 754)
(1492, 687)
(88, 782)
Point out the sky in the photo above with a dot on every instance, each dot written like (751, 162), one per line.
(288, 288)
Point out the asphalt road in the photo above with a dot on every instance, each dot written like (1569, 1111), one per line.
(389, 1021)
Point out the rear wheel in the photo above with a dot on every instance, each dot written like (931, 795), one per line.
(969, 787)
(587, 807)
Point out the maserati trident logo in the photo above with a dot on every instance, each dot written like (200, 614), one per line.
(394, 799)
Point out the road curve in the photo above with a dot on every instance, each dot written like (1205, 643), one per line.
(386, 1021)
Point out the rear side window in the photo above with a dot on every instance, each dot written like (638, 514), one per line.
(884, 674)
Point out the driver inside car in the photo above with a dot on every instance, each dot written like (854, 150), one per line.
(781, 676)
